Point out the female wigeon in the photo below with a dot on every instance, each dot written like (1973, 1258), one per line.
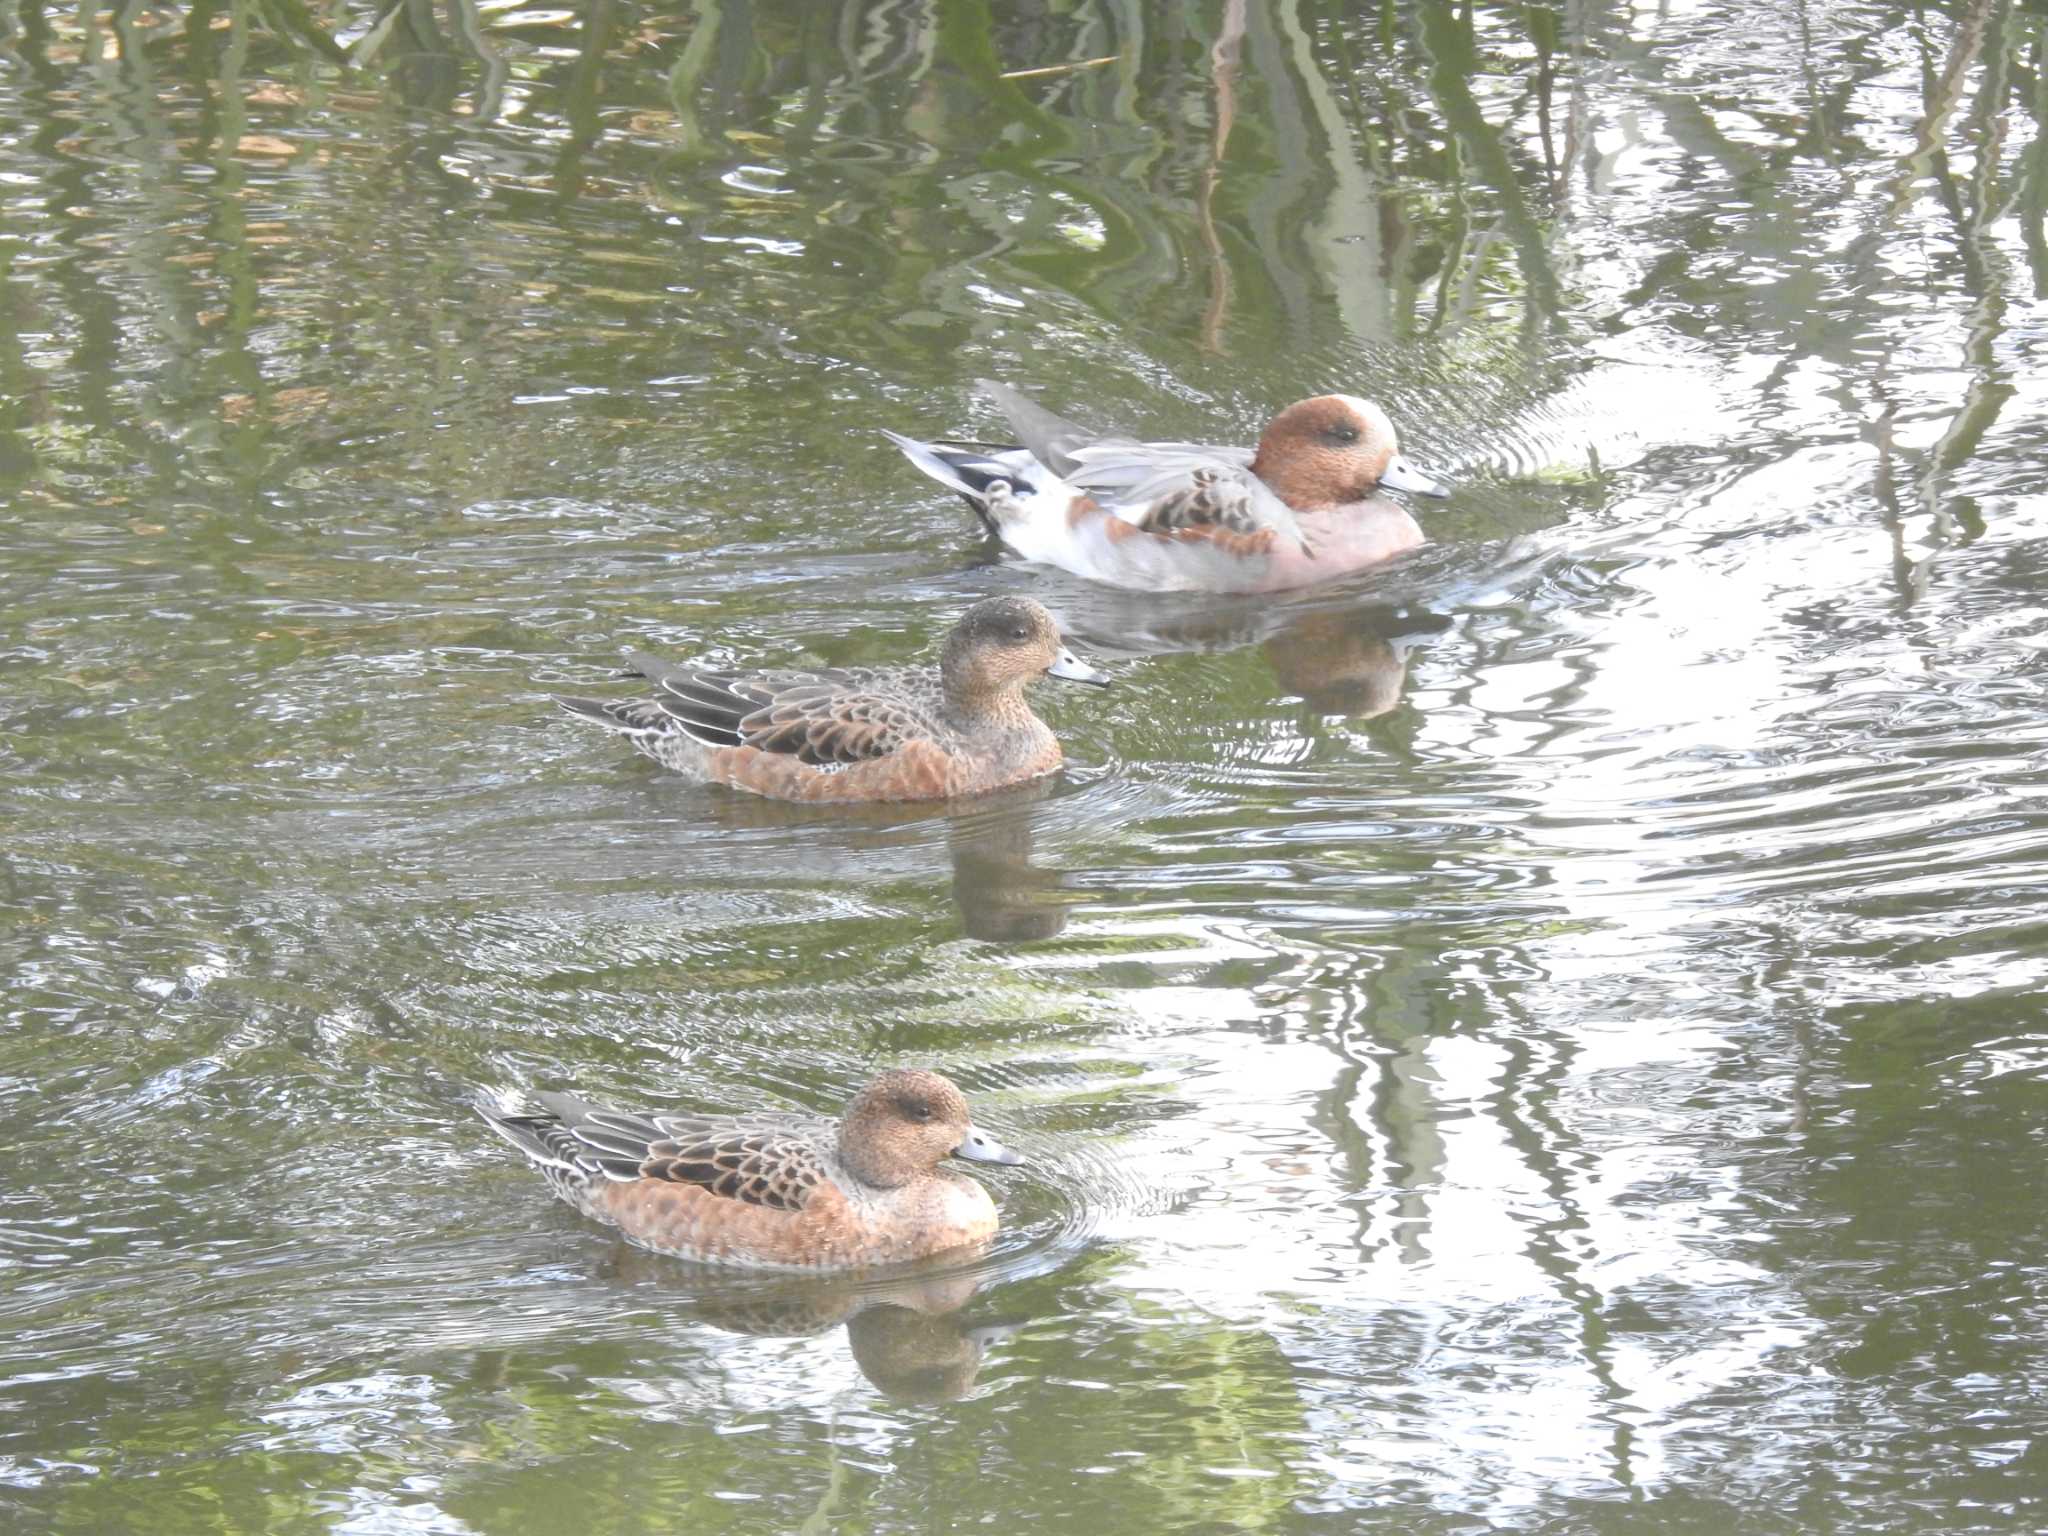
(773, 1190)
(1172, 517)
(861, 733)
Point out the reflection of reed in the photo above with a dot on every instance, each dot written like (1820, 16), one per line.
(1843, 314)
(293, 19)
(1973, 209)
(1055, 166)
(1945, 91)
(692, 66)
(1223, 67)
(583, 102)
(1447, 39)
(1990, 386)
(1387, 1111)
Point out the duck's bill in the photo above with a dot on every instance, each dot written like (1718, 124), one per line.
(1074, 670)
(980, 1147)
(1400, 475)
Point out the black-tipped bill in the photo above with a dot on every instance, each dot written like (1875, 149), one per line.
(1073, 669)
(1400, 475)
(980, 1147)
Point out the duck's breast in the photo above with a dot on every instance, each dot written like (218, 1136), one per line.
(937, 1213)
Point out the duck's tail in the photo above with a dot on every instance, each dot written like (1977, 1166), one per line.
(537, 1136)
(993, 481)
(569, 1139)
(548, 1137)
(629, 717)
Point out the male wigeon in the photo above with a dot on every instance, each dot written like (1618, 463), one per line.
(1172, 517)
(774, 1191)
(861, 733)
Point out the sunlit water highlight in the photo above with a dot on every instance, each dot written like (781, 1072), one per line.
(1544, 1036)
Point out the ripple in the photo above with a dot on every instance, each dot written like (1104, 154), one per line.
(1533, 1034)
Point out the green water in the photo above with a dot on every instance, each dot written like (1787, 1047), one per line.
(1544, 1038)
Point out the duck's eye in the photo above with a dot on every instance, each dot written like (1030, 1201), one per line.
(1020, 635)
(1342, 434)
(918, 1110)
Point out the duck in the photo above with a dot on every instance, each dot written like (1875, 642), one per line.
(769, 1190)
(1302, 507)
(861, 733)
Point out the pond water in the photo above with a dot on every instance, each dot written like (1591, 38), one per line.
(1547, 1036)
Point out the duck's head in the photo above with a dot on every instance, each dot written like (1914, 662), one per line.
(905, 1123)
(1003, 643)
(1335, 449)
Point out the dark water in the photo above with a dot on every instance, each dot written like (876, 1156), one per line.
(1546, 1038)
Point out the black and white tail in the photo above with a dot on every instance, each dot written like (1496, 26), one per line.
(981, 475)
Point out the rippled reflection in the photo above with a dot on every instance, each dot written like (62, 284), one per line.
(909, 1336)
(1543, 1034)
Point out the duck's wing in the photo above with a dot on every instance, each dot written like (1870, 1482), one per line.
(752, 1162)
(1191, 489)
(1052, 440)
(821, 718)
(755, 1166)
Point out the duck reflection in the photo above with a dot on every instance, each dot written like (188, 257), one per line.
(1002, 893)
(1348, 662)
(1003, 897)
(907, 1334)
(1340, 653)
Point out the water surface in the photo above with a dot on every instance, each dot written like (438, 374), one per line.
(1544, 1037)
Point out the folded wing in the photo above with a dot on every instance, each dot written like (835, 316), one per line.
(1193, 490)
(820, 718)
(752, 1163)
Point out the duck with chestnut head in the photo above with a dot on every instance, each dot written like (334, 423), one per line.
(1307, 505)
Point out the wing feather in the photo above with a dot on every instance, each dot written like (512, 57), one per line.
(755, 1163)
(774, 1169)
(841, 725)
(827, 718)
(1052, 440)
(1189, 487)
